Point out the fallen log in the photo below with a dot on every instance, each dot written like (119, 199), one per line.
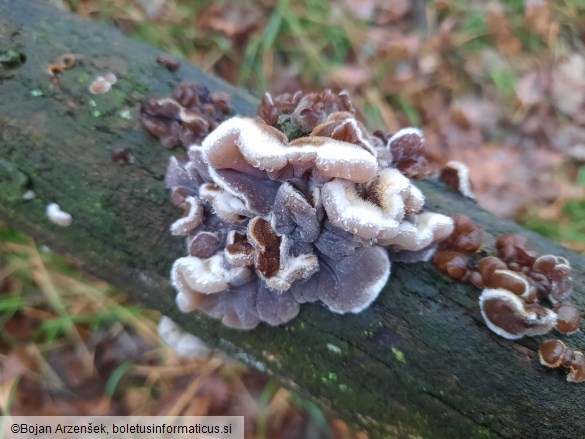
(419, 362)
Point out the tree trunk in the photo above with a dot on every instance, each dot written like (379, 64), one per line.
(419, 362)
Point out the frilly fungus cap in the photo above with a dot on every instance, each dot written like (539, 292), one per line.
(274, 220)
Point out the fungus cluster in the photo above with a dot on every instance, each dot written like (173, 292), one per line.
(515, 283)
(102, 84)
(187, 116)
(275, 220)
(554, 353)
(517, 286)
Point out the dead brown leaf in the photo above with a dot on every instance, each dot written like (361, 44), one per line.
(392, 43)
(499, 26)
(351, 77)
(532, 88)
(380, 12)
(568, 86)
(538, 17)
(16, 363)
(235, 21)
(474, 112)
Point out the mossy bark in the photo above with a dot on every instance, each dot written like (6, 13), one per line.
(418, 363)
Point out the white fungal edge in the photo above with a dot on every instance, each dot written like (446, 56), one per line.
(405, 132)
(111, 78)
(186, 224)
(519, 306)
(424, 229)
(291, 268)
(463, 174)
(227, 204)
(333, 158)
(347, 210)
(398, 194)
(362, 134)
(100, 80)
(268, 97)
(192, 276)
(182, 342)
(58, 216)
(188, 116)
(237, 260)
(506, 296)
(376, 288)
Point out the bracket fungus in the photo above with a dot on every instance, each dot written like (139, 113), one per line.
(299, 204)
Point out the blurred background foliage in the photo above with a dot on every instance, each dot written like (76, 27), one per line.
(499, 85)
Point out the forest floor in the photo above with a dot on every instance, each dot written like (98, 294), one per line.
(497, 85)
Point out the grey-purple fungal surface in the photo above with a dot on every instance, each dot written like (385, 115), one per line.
(272, 222)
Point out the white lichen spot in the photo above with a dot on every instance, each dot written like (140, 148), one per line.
(334, 349)
(58, 216)
(28, 195)
(125, 114)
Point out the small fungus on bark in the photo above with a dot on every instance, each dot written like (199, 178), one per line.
(185, 117)
(183, 343)
(554, 353)
(510, 317)
(58, 216)
(102, 84)
(516, 284)
(456, 175)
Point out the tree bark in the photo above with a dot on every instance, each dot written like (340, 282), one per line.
(419, 362)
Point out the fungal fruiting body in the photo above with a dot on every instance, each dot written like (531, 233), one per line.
(273, 221)
(184, 343)
(58, 216)
(509, 316)
(554, 353)
(456, 175)
(102, 84)
(515, 283)
(187, 116)
(533, 280)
